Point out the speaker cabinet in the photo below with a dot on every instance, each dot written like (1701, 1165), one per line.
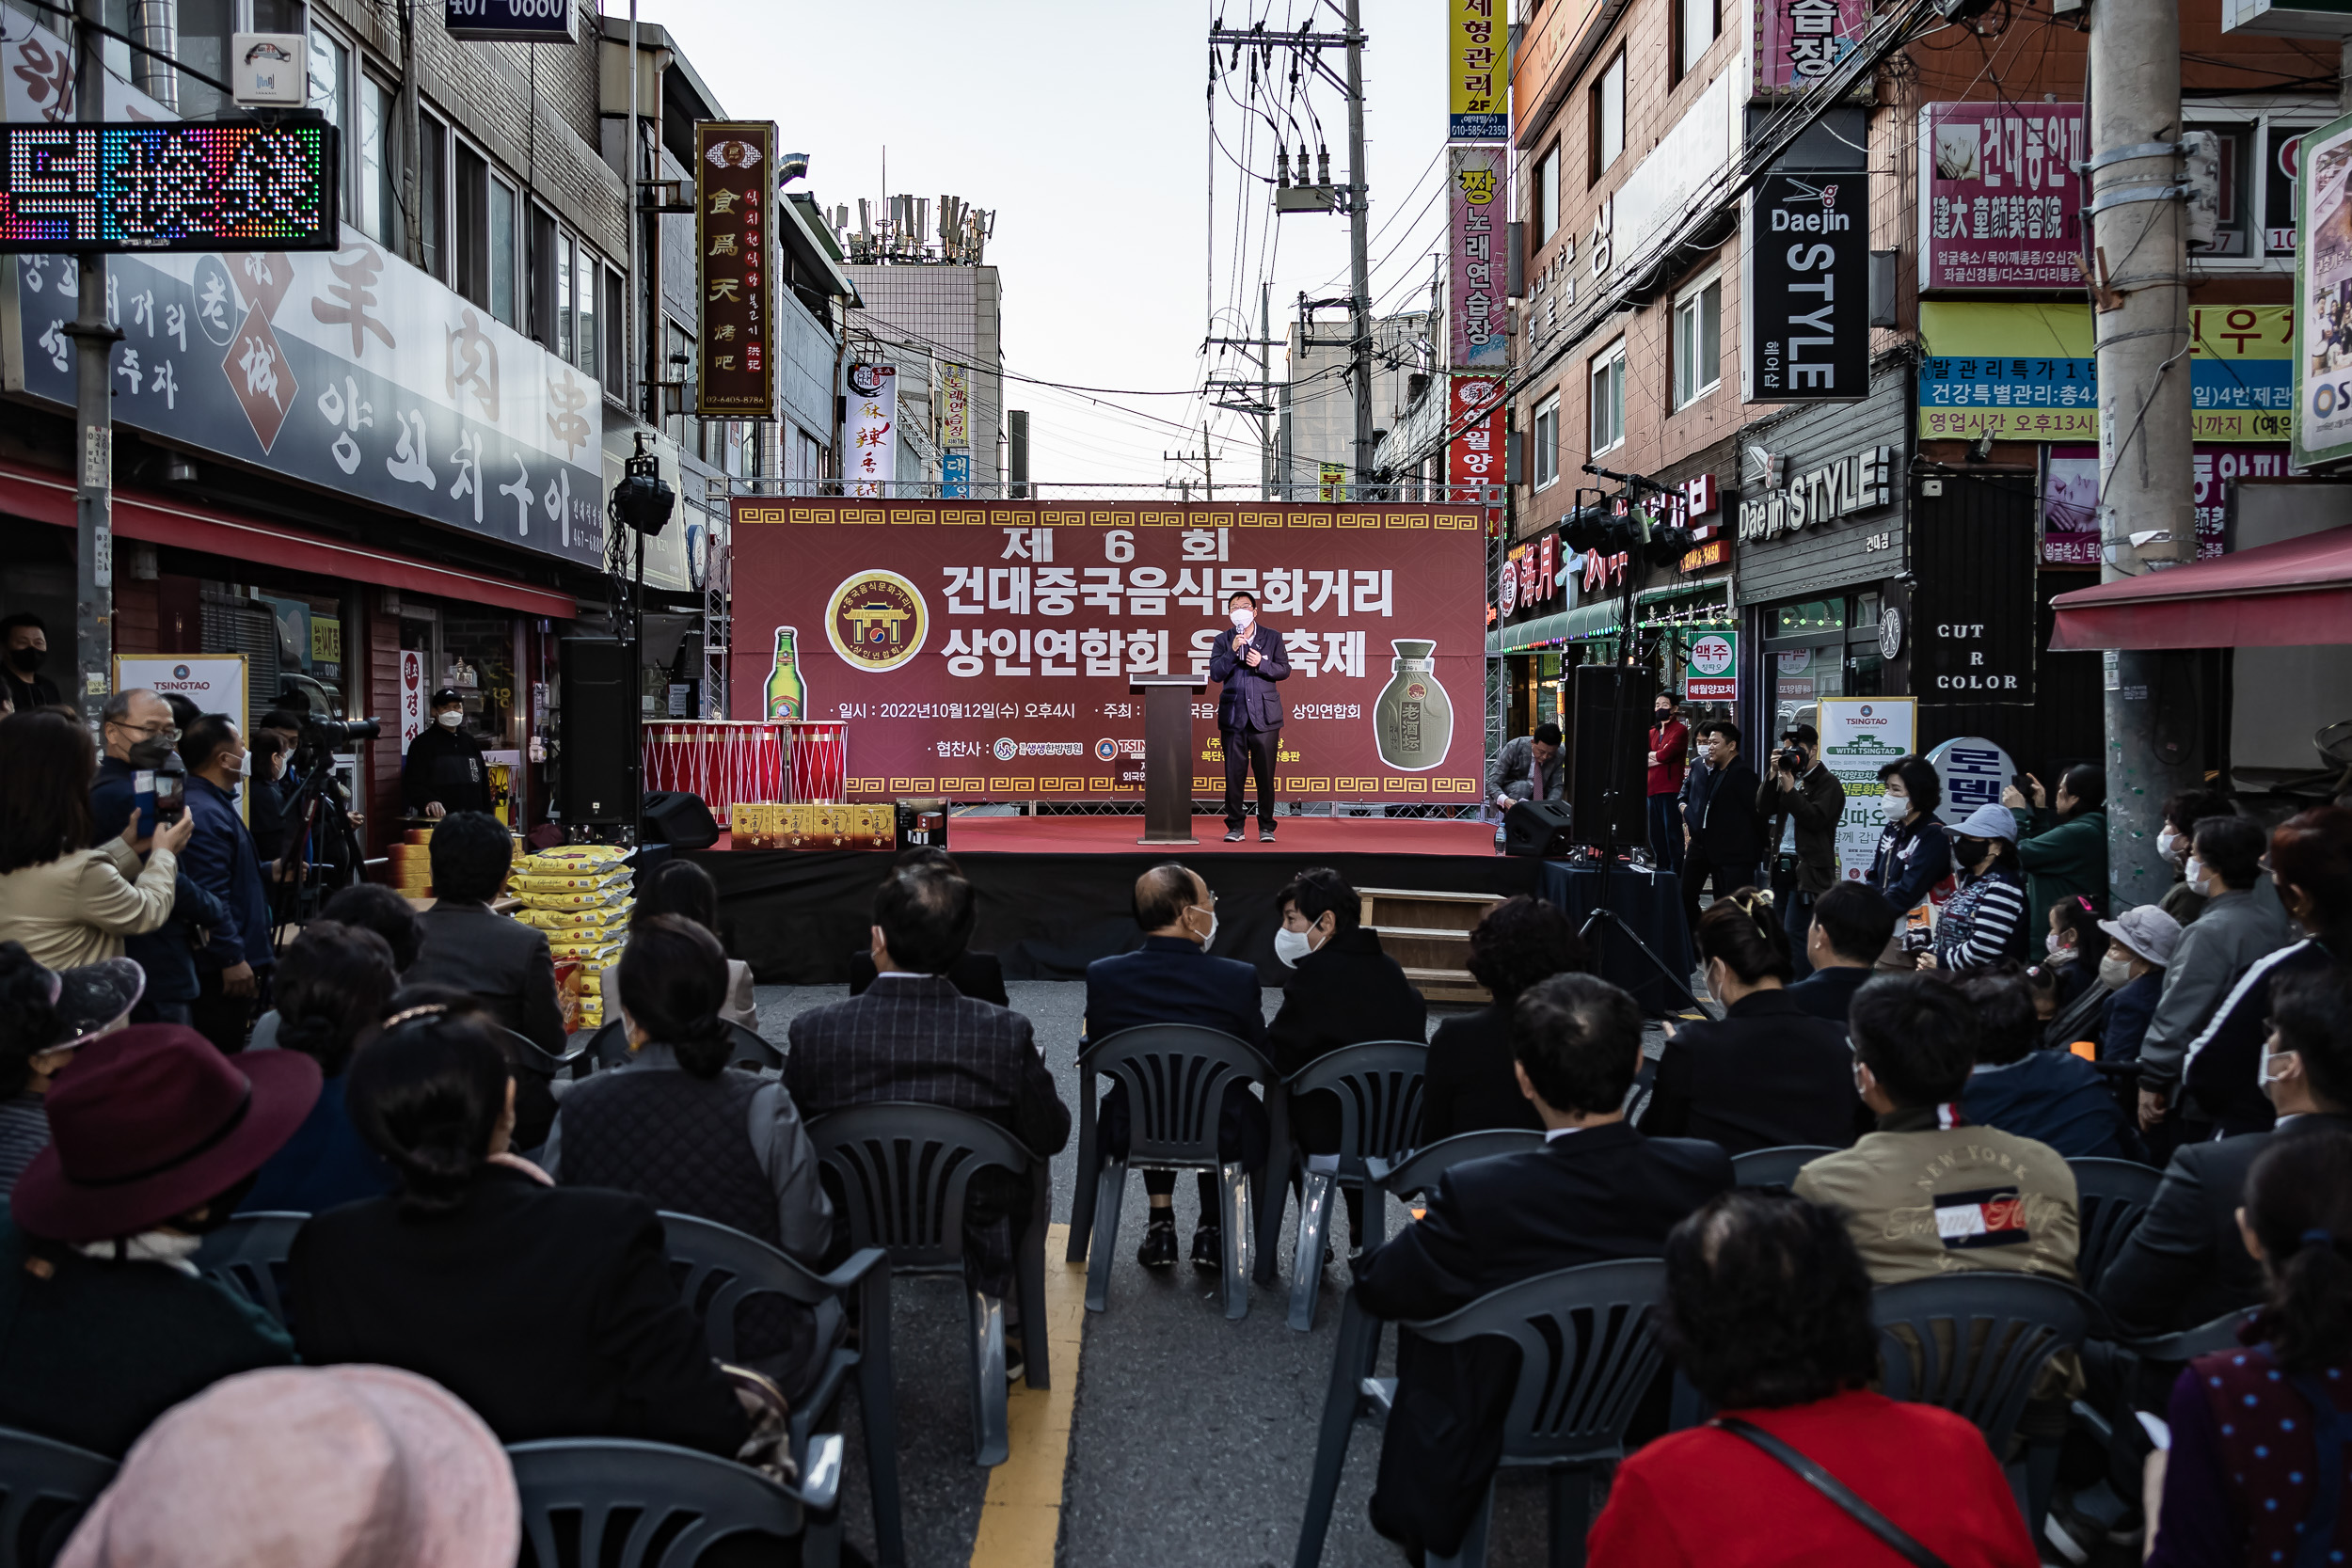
(1602, 697)
(1536, 828)
(594, 776)
(679, 819)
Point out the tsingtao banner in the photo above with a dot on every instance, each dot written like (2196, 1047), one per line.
(984, 651)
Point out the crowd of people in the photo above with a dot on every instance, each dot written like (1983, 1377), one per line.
(482, 1260)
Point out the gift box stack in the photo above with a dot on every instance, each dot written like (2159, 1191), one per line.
(581, 895)
(412, 863)
(764, 825)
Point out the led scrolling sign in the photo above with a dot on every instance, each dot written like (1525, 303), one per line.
(185, 187)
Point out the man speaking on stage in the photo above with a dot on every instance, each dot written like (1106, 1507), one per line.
(1248, 711)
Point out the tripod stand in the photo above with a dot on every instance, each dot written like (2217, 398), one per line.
(319, 838)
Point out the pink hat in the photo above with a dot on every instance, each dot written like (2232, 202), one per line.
(346, 1466)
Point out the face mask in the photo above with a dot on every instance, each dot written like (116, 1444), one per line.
(1212, 935)
(1894, 807)
(1967, 851)
(2195, 873)
(2054, 943)
(243, 767)
(1242, 619)
(2267, 1078)
(1290, 946)
(2115, 973)
(25, 660)
(2168, 845)
(450, 720)
(150, 752)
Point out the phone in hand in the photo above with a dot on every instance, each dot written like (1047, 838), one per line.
(170, 798)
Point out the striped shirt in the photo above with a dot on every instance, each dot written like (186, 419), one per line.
(23, 1133)
(1980, 923)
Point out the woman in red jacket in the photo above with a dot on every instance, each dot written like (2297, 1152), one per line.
(1768, 1314)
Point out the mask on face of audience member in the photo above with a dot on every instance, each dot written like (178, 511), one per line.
(2267, 1076)
(148, 752)
(2194, 873)
(2169, 845)
(1290, 946)
(1894, 807)
(2115, 971)
(1211, 934)
(28, 661)
(452, 719)
(2055, 943)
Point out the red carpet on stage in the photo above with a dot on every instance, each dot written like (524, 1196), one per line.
(1294, 835)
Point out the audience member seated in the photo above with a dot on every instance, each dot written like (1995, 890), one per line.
(104, 1325)
(978, 975)
(1473, 1083)
(2182, 812)
(1345, 991)
(677, 887)
(2141, 944)
(2184, 1265)
(1927, 1193)
(1767, 1074)
(1597, 1190)
(502, 964)
(367, 907)
(2311, 865)
(551, 1310)
(2075, 944)
(1171, 979)
(334, 984)
(1852, 922)
(2051, 1097)
(1768, 1315)
(43, 1016)
(310, 1468)
(679, 1127)
(2241, 922)
(2257, 1434)
(912, 1036)
(70, 904)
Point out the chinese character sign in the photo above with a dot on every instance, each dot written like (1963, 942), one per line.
(1474, 449)
(1795, 41)
(871, 459)
(1477, 192)
(2003, 208)
(734, 162)
(167, 186)
(2070, 497)
(1478, 71)
(984, 650)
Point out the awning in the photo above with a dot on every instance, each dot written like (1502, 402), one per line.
(1584, 622)
(47, 496)
(2296, 593)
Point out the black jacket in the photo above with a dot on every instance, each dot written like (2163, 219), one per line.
(1723, 815)
(445, 764)
(509, 968)
(167, 954)
(1585, 1198)
(1766, 1074)
(978, 975)
(1471, 1086)
(1249, 700)
(24, 695)
(2223, 1068)
(1816, 803)
(549, 1309)
(1346, 993)
(1828, 992)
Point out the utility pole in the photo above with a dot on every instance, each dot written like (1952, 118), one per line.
(2146, 517)
(93, 416)
(1358, 247)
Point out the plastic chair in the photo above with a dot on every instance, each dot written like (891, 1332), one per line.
(906, 1169)
(607, 1047)
(246, 1253)
(753, 1049)
(1175, 1075)
(45, 1488)
(1378, 1085)
(619, 1503)
(1774, 1168)
(724, 1269)
(2111, 1198)
(1418, 1171)
(524, 1052)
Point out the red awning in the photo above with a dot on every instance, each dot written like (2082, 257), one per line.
(2293, 593)
(46, 495)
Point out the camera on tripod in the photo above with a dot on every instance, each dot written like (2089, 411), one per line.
(321, 737)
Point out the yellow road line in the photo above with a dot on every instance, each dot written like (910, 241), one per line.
(1020, 1519)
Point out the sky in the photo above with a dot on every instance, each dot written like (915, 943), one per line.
(1086, 127)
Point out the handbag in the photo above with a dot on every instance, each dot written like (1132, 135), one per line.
(1835, 1490)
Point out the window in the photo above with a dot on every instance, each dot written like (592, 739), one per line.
(376, 194)
(471, 254)
(201, 42)
(1609, 114)
(1547, 441)
(587, 340)
(615, 368)
(1609, 398)
(1698, 340)
(573, 299)
(433, 196)
(330, 77)
(678, 366)
(1547, 194)
(502, 247)
(1696, 24)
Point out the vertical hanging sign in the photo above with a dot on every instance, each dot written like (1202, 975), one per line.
(872, 463)
(1473, 463)
(734, 165)
(1808, 295)
(1477, 194)
(1478, 71)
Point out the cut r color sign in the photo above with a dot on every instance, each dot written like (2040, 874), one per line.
(1712, 674)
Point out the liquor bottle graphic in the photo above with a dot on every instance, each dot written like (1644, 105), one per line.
(787, 697)
(1413, 718)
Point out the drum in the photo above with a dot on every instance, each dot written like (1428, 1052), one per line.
(819, 761)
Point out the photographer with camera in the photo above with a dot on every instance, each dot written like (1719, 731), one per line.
(444, 772)
(1802, 808)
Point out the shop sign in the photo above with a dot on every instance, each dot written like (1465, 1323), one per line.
(1473, 454)
(1333, 485)
(1479, 199)
(1860, 481)
(1478, 71)
(1603, 571)
(873, 423)
(1966, 658)
(955, 419)
(150, 187)
(1797, 41)
(511, 20)
(1973, 773)
(1808, 289)
(736, 369)
(1507, 592)
(1708, 554)
(1860, 736)
(2070, 497)
(2004, 206)
(955, 475)
(411, 697)
(1711, 672)
(2323, 286)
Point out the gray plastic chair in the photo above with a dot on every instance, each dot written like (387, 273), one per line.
(1774, 1168)
(1418, 1171)
(1175, 1076)
(246, 1254)
(619, 1503)
(45, 1488)
(906, 1169)
(722, 1269)
(524, 1052)
(607, 1047)
(1378, 1085)
(2111, 1197)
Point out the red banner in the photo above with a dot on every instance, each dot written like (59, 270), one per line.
(984, 651)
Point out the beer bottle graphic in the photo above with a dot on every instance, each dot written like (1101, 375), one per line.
(787, 697)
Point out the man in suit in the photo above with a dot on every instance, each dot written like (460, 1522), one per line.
(912, 1036)
(1247, 661)
(2187, 1263)
(1720, 812)
(978, 975)
(1597, 1191)
(1852, 925)
(220, 859)
(1171, 979)
(503, 963)
(137, 734)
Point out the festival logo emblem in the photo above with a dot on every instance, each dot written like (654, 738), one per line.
(1005, 748)
(876, 621)
(1105, 750)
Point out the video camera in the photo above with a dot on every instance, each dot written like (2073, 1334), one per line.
(327, 734)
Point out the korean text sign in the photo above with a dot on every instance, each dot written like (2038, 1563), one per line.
(1475, 453)
(2003, 208)
(1478, 71)
(1478, 193)
(984, 651)
(1794, 41)
(1860, 736)
(734, 164)
(1808, 295)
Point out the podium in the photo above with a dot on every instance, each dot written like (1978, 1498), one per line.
(1168, 755)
